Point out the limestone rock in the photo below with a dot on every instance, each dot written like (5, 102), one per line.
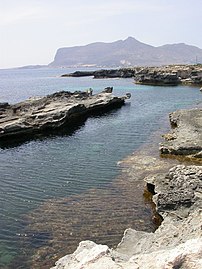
(187, 255)
(157, 79)
(51, 113)
(170, 75)
(186, 136)
(86, 254)
(104, 73)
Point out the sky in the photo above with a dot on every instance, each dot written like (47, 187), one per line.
(31, 31)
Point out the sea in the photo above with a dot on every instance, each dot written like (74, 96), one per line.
(58, 190)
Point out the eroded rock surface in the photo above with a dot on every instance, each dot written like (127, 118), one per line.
(170, 75)
(182, 217)
(104, 73)
(186, 135)
(46, 114)
(157, 78)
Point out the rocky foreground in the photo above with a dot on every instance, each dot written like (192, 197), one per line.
(53, 112)
(177, 243)
(171, 75)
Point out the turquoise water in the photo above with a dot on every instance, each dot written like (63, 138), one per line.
(63, 166)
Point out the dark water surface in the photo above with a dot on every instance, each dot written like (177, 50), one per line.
(67, 182)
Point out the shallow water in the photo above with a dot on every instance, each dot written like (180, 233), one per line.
(71, 177)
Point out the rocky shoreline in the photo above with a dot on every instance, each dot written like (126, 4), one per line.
(50, 114)
(177, 194)
(171, 75)
(186, 136)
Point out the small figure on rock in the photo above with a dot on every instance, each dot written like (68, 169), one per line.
(89, 91)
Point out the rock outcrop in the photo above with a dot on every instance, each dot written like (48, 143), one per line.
(171, 75)
(157, 79)
(104, 73)
(53, 112)
(186, 136)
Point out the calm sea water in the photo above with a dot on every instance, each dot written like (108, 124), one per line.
(69, 165)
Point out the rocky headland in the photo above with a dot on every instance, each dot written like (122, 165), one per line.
(51, 113)
(177, 194)
(171, 75)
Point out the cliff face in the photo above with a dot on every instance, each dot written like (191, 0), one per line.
(126, 53)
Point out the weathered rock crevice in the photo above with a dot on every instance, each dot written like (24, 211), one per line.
(151, 188)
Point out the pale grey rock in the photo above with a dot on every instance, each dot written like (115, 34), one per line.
(178, 189)
(187, 255)
(53, 112)
(86, 254)
(186, 134)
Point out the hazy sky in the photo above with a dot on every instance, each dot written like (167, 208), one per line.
(32, 30)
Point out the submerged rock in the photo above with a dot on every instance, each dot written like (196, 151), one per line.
(177, 243)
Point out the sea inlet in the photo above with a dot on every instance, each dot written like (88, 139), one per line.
(58, 190)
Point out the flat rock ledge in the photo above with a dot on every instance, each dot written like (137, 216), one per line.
(53, 112)
(186, 136)
(177, 243)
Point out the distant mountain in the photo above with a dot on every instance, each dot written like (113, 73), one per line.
(129, 52)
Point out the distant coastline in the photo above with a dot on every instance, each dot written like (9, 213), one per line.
(171, 75)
